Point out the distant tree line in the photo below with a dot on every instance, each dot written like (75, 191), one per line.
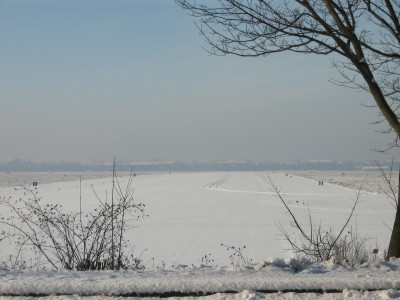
(323, 165)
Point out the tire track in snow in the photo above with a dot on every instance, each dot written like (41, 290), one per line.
(215, 186)
(265, 193)
(303, 205)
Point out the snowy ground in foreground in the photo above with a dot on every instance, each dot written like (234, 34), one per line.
(250, 283)
(191, 214)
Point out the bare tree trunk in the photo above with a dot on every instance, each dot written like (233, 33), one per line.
(394, 245)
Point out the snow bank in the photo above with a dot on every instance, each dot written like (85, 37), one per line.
(269, 277)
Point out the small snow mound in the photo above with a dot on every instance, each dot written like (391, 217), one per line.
(331, 264)
(348, 293)
(249, 295)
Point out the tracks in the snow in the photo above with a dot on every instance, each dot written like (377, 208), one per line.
(215, 184)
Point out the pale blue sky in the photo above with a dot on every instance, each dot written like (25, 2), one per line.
(93, 79)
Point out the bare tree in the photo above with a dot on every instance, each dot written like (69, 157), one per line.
(361, 36)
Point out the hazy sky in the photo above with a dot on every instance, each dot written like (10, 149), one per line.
(93, 79)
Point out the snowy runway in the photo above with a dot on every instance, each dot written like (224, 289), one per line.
(192, 214)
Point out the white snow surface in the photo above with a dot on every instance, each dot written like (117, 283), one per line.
(250, 282)
(191, 214)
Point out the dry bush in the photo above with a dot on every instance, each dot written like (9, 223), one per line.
(320, 244)
(75, 240)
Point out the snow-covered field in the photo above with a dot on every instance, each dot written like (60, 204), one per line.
(191, 214)
(10, 179)
(369, 181)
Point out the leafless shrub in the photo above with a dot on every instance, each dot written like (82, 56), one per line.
(73, 241)
(206, 260)
(352, 248)
(320, 244)
(237, 259)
